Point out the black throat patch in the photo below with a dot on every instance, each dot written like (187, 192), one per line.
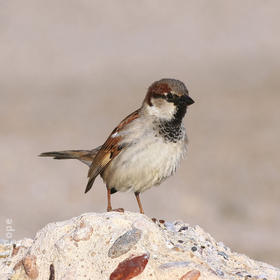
(170, 131)
(173, 130)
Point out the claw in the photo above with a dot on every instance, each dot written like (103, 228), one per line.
(121, 210)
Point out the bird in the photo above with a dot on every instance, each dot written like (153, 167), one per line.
(145, 148)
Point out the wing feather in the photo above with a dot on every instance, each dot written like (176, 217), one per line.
(109, 150)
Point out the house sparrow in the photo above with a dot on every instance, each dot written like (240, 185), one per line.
(145, 148)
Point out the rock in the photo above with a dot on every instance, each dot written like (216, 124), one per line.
(125, 246)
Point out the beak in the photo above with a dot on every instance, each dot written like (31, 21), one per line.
(189, 101)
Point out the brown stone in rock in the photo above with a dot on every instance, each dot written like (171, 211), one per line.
(130, 268)
(154, 220)
(52, 273)
(191, 275)
(18, 265)
(15, 250)
(30, 267)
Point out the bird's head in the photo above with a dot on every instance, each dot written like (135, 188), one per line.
(167, 99)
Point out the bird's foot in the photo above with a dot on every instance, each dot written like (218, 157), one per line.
(121, 210)
(156, 221)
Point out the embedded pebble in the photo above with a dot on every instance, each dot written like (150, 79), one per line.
(191, 275)
(30, 267)
(223, 254)
(52, 273)
(194, 248)
(183, 228)
(130, 268)
(124, 243)
(84, 233)
(170, 226)
(173, 264)
(219, 272)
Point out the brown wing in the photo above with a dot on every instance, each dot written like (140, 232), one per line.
(109, 150)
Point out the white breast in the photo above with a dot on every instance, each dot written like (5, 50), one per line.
(146, 162)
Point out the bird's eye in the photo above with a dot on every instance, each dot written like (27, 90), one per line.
(169, 95)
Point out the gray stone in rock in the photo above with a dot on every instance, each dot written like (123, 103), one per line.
(173, 264)
(223, 254)
(124, 243)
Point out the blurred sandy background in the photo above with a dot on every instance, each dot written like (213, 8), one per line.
(70, 70)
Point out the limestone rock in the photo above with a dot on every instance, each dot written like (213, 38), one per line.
(122, 246)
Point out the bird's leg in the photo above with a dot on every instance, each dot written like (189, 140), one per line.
(109, 206)
(139, 202)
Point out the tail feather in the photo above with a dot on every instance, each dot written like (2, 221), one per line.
(86, 156)
(69, 154)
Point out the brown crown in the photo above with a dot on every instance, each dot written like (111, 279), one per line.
(156, 88)
(164, 86)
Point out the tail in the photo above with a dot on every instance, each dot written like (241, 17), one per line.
(85, 156)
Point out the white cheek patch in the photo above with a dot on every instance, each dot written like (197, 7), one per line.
(168, 109)
(162, 110)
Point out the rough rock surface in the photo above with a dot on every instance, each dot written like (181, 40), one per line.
(122, 246)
